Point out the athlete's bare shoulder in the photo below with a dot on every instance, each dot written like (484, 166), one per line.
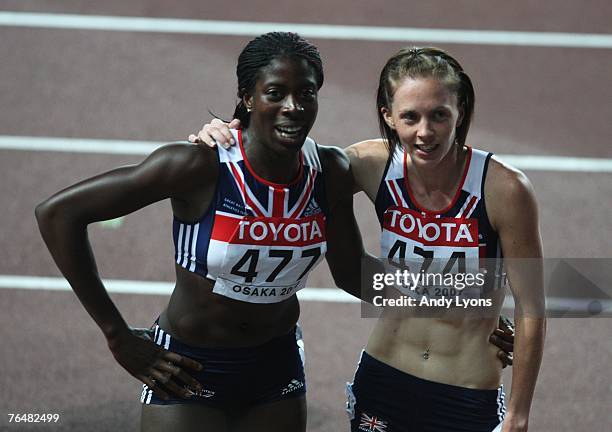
(337, 171)
(184, 160)
(336, 164)
(190, 174)
(508, 192)
(506, 179)
(368, 151)
(368, 160)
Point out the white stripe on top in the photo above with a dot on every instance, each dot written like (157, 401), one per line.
(194, 242)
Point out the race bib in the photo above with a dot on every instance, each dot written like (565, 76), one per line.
(265, 259)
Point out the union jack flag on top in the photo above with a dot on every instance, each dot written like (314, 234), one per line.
(371, 424)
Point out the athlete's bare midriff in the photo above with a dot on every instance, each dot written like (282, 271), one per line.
(453, 351)
(197, 316)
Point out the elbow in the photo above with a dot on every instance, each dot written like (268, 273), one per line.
(44, 212)
(343, 275)
(341, 281)
(348, 283)
(49, 214)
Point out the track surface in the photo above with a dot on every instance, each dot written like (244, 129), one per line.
(145, 86)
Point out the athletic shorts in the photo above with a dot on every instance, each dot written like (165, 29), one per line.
(385, 399)
(236, 377)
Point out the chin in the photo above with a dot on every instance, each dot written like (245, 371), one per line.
(290, 143)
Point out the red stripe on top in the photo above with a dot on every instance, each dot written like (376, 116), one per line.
(306, 197)
(278, 202)
(245, 197)
(264, 181)
(470, 206)
(455, 197)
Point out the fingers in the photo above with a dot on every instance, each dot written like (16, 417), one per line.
(180, 375)
(509, 337)
(506, 345)
(505, 358)
(503, 337)
(506, 324)
(144, 333)
(234, 124)
(213, 137)
(222, 130)
(164, 372)
(180, 360)
(152, 384)
(164, 381)
(216, 133)
(167, 380)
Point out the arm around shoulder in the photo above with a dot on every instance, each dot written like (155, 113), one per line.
(368, 160)
(345, 251)
(344, 246)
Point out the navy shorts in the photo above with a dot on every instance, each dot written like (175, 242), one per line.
(235, 377)
(385, 399)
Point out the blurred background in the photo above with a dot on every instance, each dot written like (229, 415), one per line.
(80, 95)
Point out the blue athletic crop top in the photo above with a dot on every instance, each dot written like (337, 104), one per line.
(258, 240)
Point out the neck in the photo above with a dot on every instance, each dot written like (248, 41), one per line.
(441, 177)
(273, 166)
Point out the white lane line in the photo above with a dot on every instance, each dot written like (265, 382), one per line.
(327, 295)
(78, 145)
(332, 295)
(247, 28)
(557, 163)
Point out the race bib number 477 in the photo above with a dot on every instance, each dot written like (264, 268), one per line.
(266, 259)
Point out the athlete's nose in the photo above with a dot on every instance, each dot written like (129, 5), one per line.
(291, 104)
(425, 130)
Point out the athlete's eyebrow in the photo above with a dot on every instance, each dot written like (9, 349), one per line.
(414, 111)
(276, 82)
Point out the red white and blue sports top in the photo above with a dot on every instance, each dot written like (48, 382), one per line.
(258, 240)
(457, 238)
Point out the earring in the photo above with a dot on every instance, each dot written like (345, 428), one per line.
(249, 109)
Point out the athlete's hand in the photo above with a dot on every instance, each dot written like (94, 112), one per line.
(217, 132)
(503, 337)
(515, 423)
(163, 371)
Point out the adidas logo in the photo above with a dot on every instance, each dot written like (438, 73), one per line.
(293, 386)
(311, 208)
(204, 393)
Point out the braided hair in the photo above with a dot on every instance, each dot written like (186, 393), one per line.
(424, 63)
(258, 54)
